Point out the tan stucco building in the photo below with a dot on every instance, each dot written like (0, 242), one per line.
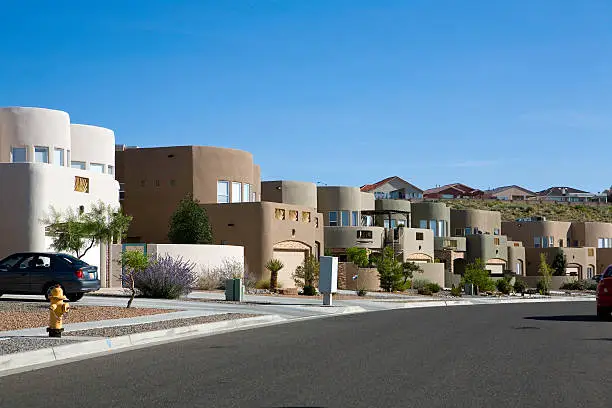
(227, 184)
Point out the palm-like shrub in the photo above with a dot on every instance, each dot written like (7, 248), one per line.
(274, 265)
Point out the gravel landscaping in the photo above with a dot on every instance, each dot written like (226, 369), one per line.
(161, 325)
(25, 315)
(19, 344)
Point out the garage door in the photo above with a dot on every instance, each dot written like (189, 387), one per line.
(291, 260)
(495, 269)
(571, 270)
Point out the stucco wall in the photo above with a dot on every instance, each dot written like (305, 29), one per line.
(576, 257)
(367, 278)
(516, 254)
(588, 233)
(433, 272)
(604, 259)
(34, 188)
(485, 248)
(526, 231)
(556, 281)
(30, 127)
(290, 192)
(337, 198)
(414, 249)
(256, 227)
(485, 221)
(346, 237)
(93, 144)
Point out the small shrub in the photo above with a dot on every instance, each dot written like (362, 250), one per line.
(520, 286)
(420, 283)
(263, 284)
(362, 292)
(425, 291)
(455, 291)
(590, 284)
(433, 287)
(542, 287)
(167, 278)
(214, 278)
(309, 291)
(574, 285)
(504, 286)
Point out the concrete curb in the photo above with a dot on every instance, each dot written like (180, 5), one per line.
(53, 354)
(474, 302)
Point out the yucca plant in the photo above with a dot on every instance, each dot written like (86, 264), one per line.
(274, 265)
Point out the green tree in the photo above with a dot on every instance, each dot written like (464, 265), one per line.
(133, 263)
(409, 269)
(307, 274)
(478, 275)
(358, 256)
(545, 272)
(559, 263)
(189, 223)
(77, 231)
(389, 270)
(274, 265)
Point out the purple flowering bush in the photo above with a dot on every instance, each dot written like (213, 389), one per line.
(166, 277)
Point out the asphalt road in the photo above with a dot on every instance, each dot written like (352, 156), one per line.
(529, 355)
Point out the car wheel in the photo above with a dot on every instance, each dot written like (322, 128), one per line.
(603, 313)
(75, 297)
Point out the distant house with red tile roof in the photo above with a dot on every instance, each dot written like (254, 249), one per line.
(510, 193)
(569, 194)
(456, 190)
(394, 188)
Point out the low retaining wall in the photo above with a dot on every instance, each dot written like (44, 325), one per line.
(557, 281)
(433, 272)
(366, 278)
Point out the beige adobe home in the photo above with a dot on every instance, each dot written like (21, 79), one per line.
(227, 184)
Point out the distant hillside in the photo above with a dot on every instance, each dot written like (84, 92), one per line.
(511, 210)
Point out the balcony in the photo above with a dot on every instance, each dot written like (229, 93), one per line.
(450, 243)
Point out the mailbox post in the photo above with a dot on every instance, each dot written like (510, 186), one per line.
(328, 278)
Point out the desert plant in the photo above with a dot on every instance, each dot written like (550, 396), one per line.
(358, 256)
(478, 275)
(545, 272)
(455, 291)
(215, 277)
(262, 284)
(307, 274)
(520, 286)
(309, 290)
(133, 263)
(503, 285)
(189, 223)
(409, 269)
(362, 292)
(76, 231)
(425, 291)
(433, 287)
(559, 263)
(274, 266)
(166, 277)
(420, 283)
(389, 270)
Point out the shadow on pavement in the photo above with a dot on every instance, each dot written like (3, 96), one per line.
(566, 318)
(600, 339)
(23, 300)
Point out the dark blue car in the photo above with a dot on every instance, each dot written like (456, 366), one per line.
(34, 273)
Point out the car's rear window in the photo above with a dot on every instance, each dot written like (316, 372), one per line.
(69, 259)
(608, 272)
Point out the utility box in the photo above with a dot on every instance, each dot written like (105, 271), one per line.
(328, 274)
(234, 290)
(469, 290)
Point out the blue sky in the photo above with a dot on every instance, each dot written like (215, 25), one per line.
(342, 92)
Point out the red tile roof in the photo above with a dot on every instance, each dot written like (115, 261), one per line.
(369, 187)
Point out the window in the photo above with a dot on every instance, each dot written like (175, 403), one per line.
(459, 232)
(419, 236)
(468, 231)
(96, 168)
(364, 234)
(496, 241)
(560, 243)
(355, 218)
(121, 191)
(536, 242)
(58, 157)
(367, 220)
(68, 157)
(551, 242)
(423, 224)
(590, 272)
(246, 192)
(386, 223)
(111, 170)
(476, 230)
(10, 262)
(293, 215)
(333, 218)
(432, 226)
(78, 165)
(495, 231)
(441, 231)
(18, 154)
(41, 154)
(591, 252)
(236, 192)
(345, 218)
(519, 268)
(253, 197)
(305, 217)
(222, 191)
(279, 214)
(393, 223)
(544, 242)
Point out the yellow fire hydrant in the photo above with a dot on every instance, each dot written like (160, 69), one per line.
(57, 309)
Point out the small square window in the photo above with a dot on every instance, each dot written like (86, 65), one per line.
(58, 157)
(419, 236)
(459, 232)
(496, 241)
(96, 168)
(111, 170)
(41, 154)
(223, 192)
(78, 165)
(18, 155)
